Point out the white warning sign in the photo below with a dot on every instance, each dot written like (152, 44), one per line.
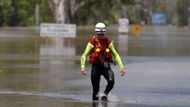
(123, 25)
(57, 30)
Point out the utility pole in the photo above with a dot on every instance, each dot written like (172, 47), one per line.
(188, 12)
(189, 16)
(37, 14)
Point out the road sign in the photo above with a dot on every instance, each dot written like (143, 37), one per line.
(57, 30)
(123, 25)
(159, 18)
(136, 29)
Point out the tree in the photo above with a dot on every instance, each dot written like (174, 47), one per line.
(5, 12)
(1, 15)
(63, 10)
(182, 10)
(22, 12)
(107, 11)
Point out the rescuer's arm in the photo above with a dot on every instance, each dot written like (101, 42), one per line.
(84, 56)
(117, 58)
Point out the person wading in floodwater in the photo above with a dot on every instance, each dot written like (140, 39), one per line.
(101, 50)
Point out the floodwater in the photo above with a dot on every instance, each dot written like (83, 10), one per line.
(45, 72)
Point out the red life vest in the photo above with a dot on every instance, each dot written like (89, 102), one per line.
(100, 53)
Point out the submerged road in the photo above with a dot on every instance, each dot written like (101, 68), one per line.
(38, 72)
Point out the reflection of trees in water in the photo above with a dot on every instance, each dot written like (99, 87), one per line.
(160, 41)
(58, 46)
(57, 52)
(55, 61)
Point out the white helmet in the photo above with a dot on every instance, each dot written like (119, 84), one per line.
(100, 28)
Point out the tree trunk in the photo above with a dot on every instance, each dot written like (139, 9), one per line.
(70, 10)
(58, 9)
(63, 10)
(123, 11)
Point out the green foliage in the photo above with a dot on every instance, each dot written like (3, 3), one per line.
(5, 9)
(128, 2)
(161, 9)
(30, 21)
(82, 15)
(182, 13)
(93, 11)
(22, 12)
(46, 14)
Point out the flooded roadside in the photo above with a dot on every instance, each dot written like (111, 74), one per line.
(37, 71)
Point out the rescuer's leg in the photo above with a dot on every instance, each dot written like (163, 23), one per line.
(95, 79)
(109, 76)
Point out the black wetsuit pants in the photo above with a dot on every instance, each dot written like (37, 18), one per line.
(96, 72)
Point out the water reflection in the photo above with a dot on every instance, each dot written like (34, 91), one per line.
(56, 59)
(160, 41)
(58, 46)
(103, 104)
(123, 44)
